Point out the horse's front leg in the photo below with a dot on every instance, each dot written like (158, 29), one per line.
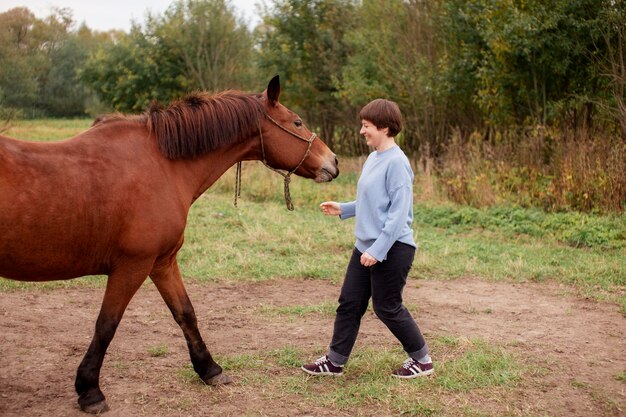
(166, 277)
(122, 284)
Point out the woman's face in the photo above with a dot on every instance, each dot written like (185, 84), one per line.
(373, 136)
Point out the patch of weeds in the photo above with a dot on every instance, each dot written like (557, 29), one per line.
(289, 357)
(579, 384)
(120, 366)
(189, 376)
(450, 341)
(294, 385)
(621, 376)
(184, 404)
(297, 311)
(158, 350)
(482, 365)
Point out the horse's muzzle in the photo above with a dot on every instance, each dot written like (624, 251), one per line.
(328, 171)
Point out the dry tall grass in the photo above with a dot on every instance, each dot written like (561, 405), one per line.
(557, 172)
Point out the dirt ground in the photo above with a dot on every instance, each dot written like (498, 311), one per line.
(579, 344)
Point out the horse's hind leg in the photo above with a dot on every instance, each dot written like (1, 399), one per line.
(166, 277)
(123, 283)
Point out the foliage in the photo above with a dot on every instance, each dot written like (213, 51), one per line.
(304, 41)
(212, 44)
(574, 229)
(517, 102)
(194, 45)
(130, 73)
(536, 168)
(395, 58)
(20, 56)
(40, 63)
(534, 59)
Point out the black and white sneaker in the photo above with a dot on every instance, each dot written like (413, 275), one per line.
(323, 366)
(412, 369)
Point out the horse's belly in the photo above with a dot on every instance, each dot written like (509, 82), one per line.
(31, 261)
(40, 246)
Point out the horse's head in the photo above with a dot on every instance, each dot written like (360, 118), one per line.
(289, 145)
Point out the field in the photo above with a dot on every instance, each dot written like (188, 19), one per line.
(523, 310)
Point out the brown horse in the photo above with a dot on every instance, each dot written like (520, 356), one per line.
(114, 200)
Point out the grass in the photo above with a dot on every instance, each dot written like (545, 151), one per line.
(296, 312)
(158, 350)
(47, 129)
(467, 367)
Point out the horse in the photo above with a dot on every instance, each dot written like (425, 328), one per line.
(114, 201)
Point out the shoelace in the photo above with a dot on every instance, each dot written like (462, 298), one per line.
(408, 363)
(321, 361)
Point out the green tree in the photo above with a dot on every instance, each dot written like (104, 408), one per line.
(304, 42)
(214, 45)
(523, 62)
(610, 58)
(129, 73)
(40, 60)
(20, 58)
(196, 44)
(395, 57)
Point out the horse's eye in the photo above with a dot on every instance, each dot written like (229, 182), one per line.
(298, 123)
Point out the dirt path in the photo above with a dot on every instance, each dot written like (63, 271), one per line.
(577, 346)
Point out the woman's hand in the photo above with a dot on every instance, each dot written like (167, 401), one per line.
(331, 208)
(367, 259)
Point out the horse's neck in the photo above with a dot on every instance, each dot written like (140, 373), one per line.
(204, 171)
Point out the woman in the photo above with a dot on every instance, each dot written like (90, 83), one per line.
(384, 248)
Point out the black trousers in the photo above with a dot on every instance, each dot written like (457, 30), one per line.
(383, 283)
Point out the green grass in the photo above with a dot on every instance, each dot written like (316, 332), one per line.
(296, 312)
(47, 129)
(577, 230)
(472, 367)
(262, 241)
(158, 350)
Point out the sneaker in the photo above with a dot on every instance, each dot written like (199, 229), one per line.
(412, 369)
(323, 366)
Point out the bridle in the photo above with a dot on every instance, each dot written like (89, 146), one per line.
(286, 175)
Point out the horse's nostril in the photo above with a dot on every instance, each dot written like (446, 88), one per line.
(336, 161)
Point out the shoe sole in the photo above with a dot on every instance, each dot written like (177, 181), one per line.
(425, 373)
(321, 373)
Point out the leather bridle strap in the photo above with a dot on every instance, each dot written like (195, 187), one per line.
(286, 175)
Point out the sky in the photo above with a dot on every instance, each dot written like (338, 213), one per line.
(115, 14)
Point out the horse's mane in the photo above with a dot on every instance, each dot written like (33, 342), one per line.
(200, 122)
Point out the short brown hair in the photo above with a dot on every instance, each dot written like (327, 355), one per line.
(383, 113)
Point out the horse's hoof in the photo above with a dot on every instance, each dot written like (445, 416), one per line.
(96, 408)
(219, 379)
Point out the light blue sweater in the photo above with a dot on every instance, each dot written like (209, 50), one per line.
(384, 203)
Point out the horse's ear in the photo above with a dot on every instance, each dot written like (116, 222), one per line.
(273, 91)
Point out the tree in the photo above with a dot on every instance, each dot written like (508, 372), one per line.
(523, 62)
(20, 59)
(304, 41)
(610, 57)
(40, 60)
(129, 73)
(395, 57)
(196, 44)
(212, 42)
